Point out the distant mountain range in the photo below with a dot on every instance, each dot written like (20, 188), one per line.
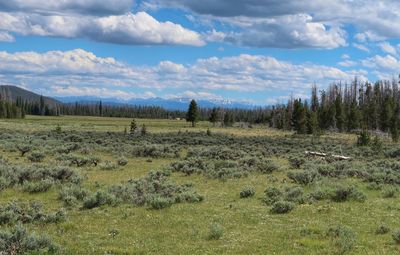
(180, 104)
(169, 104)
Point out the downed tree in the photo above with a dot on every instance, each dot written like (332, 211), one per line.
(324, 155)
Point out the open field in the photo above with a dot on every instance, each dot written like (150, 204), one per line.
(336, 207)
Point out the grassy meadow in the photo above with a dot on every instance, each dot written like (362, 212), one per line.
(195, 207)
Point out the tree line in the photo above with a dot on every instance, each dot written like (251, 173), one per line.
(10, 109)
(343, 108)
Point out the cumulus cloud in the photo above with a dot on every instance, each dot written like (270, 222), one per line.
(94, 7)
(388, 48)
(374, 20)
(6, 37)
(293, 31)
(78, 72)
(133, 29)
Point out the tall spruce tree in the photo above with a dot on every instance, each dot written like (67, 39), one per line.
(192, 113)
(299, 120)
(214, 116)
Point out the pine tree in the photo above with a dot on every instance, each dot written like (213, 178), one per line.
(143, 131)
(228, 119)
(192, 113)
(133, 127)
(214, 116)
(299, 121)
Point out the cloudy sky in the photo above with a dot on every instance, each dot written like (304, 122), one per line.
(258, 51)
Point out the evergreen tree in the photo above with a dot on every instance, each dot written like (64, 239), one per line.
(228, 119)
(133, 126)
(214, 116)
(143, 131)
(192, 113)
(299, 121)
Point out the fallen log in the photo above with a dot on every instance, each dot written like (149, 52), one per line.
(324, 155)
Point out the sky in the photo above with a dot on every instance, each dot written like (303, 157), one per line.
(255, 51)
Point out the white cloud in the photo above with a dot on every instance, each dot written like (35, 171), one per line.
(134, 29)
(345, 56)
(388, 63)
(360, 47)
(292, 31)
(6, 37)
(387, 48)
(94, 7)
(347, 63)
(79, 72)
(373, 20)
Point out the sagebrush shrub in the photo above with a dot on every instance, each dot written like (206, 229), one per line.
(108, 166)
(343, 237)
(98, 199)
(272, 195)
(122, 161)
(36, 156)
(38, 186)
(390, 192)
(382, 229)
(344, 193)
(18, 241)
(303, 177)
(281, 207)
(247, 191)
(396, 236)
(158, 202)
(216, 231)
(296, 162)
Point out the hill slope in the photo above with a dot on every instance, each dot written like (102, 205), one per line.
(14, 92)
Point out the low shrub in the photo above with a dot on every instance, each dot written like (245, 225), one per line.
(296, 162)
(344, 193)
(36, 156)
(14, 212)
(216, 231)
(382, 229)
(396, 236)
(158, 202)
(71, 194)
(282, 207)
(303, 177)
(18, 241)
(108, 166)
(390, 192)
(122, 161)
(272, 195)
(98, 199)
(343, 238)
(247, 191)
(39, 186)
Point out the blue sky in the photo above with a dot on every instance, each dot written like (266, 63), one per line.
(258, 51)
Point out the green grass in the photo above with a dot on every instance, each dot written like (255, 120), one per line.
(249, 227)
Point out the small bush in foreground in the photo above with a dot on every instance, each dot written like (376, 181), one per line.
(247, 192)
(18, 241)
(382, 229)
(122, 161)
(389, 192)
(158, 202)
(344, 193)
(36, 187)
(343, 238)
(281, 207)
(396, 236)
(216, 232)
(98, 199)
(36, 156)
